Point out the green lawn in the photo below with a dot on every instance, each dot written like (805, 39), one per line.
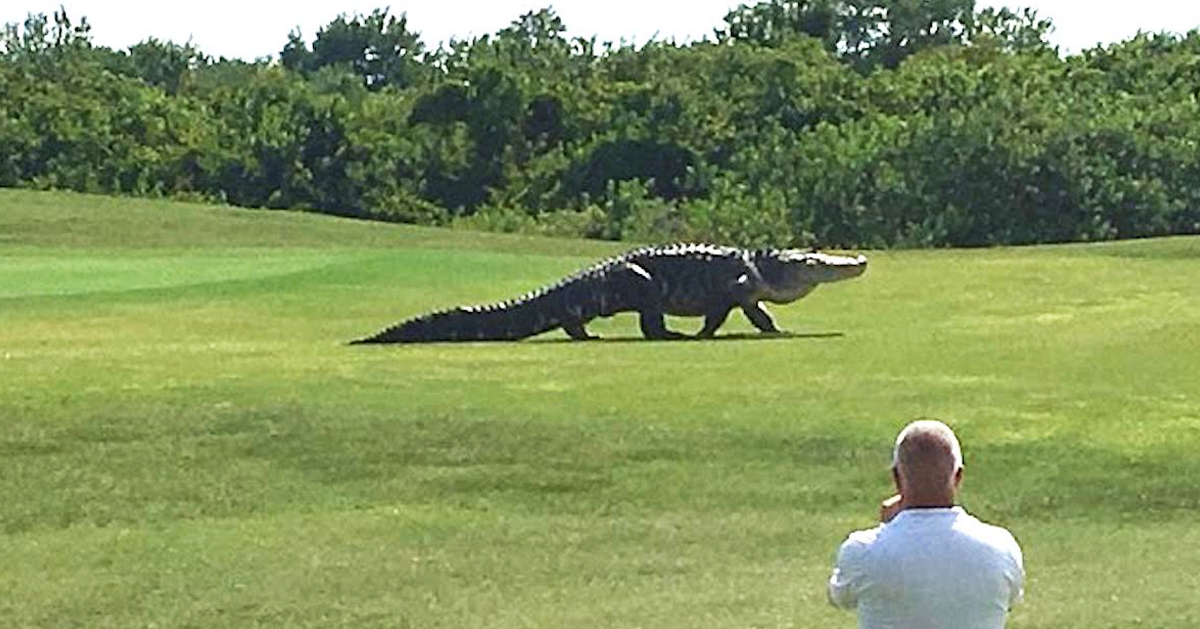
(185, 440)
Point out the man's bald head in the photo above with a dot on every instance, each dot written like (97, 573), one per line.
(927, 455)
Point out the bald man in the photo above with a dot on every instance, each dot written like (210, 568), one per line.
(928, 565)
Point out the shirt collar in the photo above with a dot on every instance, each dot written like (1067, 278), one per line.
(929, 512)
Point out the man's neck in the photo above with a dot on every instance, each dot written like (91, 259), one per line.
(929, 502)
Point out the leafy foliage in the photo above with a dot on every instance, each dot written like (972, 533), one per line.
(833, 122)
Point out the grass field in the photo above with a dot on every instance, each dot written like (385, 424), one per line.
(185, 440)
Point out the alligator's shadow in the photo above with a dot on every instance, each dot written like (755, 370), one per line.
(737, 336)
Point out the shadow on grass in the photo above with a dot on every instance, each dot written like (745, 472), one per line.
(737, 336)
(580, 467)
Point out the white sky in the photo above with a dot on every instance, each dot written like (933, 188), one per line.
(250, 29)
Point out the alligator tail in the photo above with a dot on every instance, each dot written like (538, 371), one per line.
(507, 321)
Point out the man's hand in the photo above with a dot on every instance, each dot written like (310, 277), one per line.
(890, 507)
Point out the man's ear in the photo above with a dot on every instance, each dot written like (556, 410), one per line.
(896, 478)
(958, 476)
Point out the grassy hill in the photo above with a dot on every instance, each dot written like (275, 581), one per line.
(185, 440)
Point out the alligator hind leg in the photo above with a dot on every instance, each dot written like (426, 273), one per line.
(761, 319)
(712, 321)
(654, 326)
(643, 294)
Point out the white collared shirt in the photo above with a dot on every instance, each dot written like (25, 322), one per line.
(937, 568)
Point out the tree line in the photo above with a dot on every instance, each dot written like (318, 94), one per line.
(858, 123)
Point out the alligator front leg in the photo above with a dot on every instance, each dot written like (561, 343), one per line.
(712, 321)
(758, 315)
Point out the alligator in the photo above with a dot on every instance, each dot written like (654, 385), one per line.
(680, 279)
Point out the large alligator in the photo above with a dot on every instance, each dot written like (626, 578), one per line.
(682, 279)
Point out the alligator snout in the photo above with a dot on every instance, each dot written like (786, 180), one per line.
(859, 265)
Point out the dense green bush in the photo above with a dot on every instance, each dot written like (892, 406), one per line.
(929, 124)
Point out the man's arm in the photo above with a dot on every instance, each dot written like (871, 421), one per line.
(847, 575)
(1017, 578)
(890, 508)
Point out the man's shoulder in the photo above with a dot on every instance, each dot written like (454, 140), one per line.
(860, 541)
(996, 537)
(987, 530)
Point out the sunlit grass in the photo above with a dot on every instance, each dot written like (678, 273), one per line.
(185, 439)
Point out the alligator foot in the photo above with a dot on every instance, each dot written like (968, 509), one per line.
(577, 332)
(668, 335)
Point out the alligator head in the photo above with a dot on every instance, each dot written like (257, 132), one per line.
(789, 274)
